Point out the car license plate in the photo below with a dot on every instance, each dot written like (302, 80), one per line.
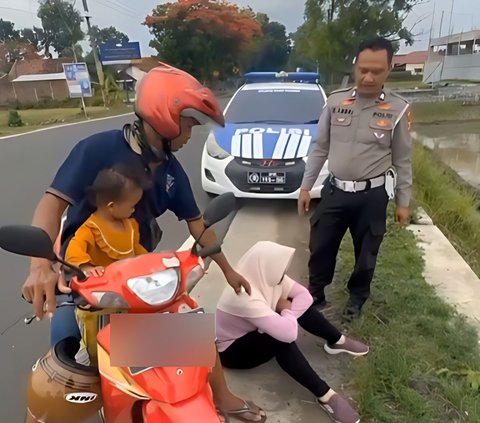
(271, 178)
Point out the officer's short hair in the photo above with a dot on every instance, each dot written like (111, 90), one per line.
(376, 44)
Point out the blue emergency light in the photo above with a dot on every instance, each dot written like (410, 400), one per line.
(312, 77)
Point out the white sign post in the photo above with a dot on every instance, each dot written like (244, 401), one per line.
(78, 81)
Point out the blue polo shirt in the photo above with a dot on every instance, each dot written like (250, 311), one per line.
(170, 190)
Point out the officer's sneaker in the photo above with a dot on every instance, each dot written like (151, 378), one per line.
(320, 304)
(352, 311)
(350, 346)
(339, 410)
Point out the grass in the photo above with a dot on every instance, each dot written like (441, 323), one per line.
(424, 364)
(437, 112)
(450, 202)
(41, 118)
(421, 350)
(63, 112)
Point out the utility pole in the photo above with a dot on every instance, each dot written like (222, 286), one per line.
(441, 23)
(430, 35)
(330, 19)
(330, 11)
(448, 39)
(93, 44)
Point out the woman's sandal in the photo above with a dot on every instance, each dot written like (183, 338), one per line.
(222, 414)
(249, 407)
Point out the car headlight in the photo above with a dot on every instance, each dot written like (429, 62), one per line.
(157, 288)
(214, 150)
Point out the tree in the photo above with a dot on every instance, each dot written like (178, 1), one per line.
(75, 51)
(61, 25)
(202, 36)
(33, 36)
(298, 59)
(109, 34)
(269, 50)
(13, 46)
(7, 31)
(330, 35)
(273, 47)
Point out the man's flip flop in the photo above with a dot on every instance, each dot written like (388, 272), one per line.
(248, 407)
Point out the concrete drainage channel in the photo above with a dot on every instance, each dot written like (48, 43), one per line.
(447, 271)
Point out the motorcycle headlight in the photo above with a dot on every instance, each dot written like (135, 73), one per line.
(107, 299)
(214, 150)
(157, 288)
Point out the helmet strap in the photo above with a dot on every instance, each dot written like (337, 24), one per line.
(148, 153)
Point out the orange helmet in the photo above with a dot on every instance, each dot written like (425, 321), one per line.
(165, 94)
(62, 390)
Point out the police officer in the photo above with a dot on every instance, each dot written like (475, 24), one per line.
(364, 134)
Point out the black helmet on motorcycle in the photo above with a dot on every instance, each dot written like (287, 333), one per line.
(60, 389)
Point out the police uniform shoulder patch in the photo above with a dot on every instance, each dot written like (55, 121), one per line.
(341, 97)
(393, 93)
(341, 90)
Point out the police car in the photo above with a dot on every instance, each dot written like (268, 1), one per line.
(271, 123)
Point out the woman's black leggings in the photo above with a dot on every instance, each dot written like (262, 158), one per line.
(254, 349)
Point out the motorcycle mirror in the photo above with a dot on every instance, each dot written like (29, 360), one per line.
(219, 208)
(27, 240)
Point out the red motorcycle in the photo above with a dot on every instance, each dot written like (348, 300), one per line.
(63, 389)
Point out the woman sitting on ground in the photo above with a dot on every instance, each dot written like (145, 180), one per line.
(251, 330)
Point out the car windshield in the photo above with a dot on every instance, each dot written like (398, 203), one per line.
(276, 106)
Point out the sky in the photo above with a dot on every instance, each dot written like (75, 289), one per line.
(127, 15)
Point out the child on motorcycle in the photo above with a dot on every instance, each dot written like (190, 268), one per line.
(110, 233)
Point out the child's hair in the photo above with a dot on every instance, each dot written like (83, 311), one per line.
(110, 183)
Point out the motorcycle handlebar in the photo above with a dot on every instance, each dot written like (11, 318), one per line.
(62, 300)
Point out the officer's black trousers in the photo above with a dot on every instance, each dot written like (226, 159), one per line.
(364, 214)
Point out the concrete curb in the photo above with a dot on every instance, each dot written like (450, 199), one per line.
(447, 271)
(284, 400)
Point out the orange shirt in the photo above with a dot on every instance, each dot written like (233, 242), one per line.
(99, 243)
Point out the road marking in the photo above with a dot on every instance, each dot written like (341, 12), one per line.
(64, 125)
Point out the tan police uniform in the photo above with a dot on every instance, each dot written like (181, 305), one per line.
(368, 146)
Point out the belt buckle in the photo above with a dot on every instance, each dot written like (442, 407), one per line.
(350, 186)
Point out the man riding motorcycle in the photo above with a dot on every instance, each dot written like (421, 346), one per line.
(168, 104)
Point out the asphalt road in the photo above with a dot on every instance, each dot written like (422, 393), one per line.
(27, 166)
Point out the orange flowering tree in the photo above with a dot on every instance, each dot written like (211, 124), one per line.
(204, 37)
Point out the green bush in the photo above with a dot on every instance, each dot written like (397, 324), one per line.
(97, 102)
(14, 119)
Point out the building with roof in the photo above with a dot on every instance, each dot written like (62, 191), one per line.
(35, 81)
(413, 62)
(454, 57)
(32, 81)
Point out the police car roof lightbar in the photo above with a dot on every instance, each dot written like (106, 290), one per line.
(282, 77)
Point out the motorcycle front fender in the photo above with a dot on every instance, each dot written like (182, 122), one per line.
(199, 408)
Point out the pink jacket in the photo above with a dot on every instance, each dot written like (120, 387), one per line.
(283, 327)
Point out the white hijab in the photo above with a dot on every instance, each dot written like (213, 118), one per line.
(263, 266)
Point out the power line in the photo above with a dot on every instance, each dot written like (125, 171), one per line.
(124, 12)
(18, 10)
(121, 5)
